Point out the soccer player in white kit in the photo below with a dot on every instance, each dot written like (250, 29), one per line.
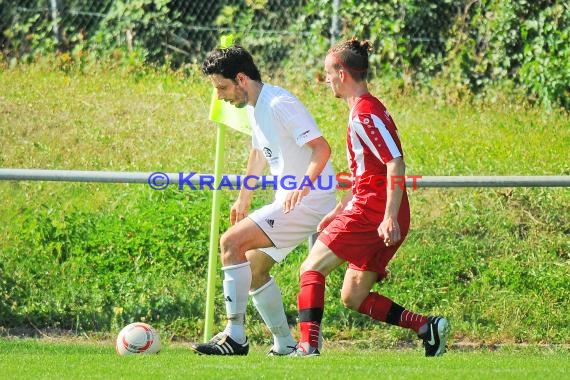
(285, 137)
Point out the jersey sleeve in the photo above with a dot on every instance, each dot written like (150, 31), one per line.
(296, 119)
(304, 129)
(380, 136)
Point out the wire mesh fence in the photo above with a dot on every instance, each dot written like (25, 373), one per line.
(468, 44)
(178, 31)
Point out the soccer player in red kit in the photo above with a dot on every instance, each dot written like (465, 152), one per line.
(370, 223)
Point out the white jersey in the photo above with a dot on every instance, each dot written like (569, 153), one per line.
(281, 126)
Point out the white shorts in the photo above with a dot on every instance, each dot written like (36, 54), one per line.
(287, 231)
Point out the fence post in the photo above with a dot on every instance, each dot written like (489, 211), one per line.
(55, 23)
(334, 22)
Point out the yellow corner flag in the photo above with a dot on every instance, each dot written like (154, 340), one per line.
(224, 113)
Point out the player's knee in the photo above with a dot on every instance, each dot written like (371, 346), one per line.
(230, 248)
(350, 301)
(225, 241)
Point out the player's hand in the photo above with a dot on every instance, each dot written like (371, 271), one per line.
(389, 230)
(239, 210)
(294, 198)
(326, 220)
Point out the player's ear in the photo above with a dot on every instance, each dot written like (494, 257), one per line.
(241, 78)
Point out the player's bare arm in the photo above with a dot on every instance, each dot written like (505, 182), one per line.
(321, 152)
(255, 165)
(389, 229)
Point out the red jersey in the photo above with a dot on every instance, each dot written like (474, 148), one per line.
(372, 141)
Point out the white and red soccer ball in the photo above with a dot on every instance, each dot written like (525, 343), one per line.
(138, 338)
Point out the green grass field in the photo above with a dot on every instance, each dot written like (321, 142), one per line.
(32, 359)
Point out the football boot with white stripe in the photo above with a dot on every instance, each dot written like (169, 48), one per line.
(221, 344)
(435, 336)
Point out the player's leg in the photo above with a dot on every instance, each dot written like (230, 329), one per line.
(261, 264)
(356, 295)
(234, 243)
(310, 302)
(286, 231)
(356, 287)
(267, 299)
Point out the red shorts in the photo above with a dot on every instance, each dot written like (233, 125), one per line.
(353, 236)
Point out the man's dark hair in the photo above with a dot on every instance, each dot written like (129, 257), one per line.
(229, 62)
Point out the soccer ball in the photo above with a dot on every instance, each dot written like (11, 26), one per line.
(137, 338)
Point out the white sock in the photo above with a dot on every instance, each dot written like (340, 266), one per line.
(237, 281)
(267, 299)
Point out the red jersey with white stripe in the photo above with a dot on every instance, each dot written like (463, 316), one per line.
(372, 141)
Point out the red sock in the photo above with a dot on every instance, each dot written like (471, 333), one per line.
(412, 321)
(377, 306)
(310, 303)
(384, 309)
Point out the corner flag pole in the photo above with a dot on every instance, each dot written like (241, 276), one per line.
(214, 235)
(225, 115)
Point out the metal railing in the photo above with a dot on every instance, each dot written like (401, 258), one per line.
(143, 177)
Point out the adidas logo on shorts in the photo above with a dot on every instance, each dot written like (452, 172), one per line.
(271, 222)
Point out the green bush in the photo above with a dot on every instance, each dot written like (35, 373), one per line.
(112, 264)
